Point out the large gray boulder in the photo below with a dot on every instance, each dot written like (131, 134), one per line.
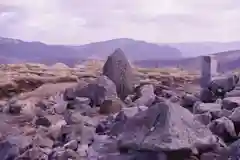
(225, 83)
(165, 127)
(99, 90)
(224, 128)
(118, 69)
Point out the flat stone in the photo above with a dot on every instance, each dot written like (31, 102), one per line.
(204, 118)
(199, 108)
(231, 103)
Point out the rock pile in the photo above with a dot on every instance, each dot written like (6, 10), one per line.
(114, 117)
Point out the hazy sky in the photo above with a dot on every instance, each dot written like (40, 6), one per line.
(84, 21)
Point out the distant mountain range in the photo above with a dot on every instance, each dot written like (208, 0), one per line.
(227, 61)
(14, 51)
(134, 50)
(195, 49)
(185, 55)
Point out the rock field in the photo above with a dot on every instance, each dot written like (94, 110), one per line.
(116, 111)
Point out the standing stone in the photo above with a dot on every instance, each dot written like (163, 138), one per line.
(118, 69)
(209, 69)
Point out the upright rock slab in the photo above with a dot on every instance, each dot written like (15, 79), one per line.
(165, 127)
(209, 68)
(118, 69)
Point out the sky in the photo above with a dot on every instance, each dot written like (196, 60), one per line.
(85, 21)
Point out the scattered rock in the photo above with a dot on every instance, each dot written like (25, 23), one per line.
(60, 108)
(14, 108)
(221, 113)
(20, 141)
(130, 112)
(224, 83)
(34, 154)
(230, 103)
(224, 128)
(232, 151)
(207, 96)
(73, 145)
(111, 106)
(42, 121)
(8, 150)
(204, 118)
(42, 142)
(118, 69)
(188, 100)
(103, 88)
(199, 108)
(210, 156)
(146, 97)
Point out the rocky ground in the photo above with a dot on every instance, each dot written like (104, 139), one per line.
(115, 111)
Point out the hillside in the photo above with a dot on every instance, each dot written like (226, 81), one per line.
(14, 51)
(131, 48)
(194, 49)
(227, 61)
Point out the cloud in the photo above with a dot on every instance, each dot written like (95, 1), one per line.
(84, 21)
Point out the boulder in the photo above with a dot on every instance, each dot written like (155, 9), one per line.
(168, 93)
(230, 103)
(224, 128)
(111, 106)
(204, 118)
(20, 141)
(188, 100)
(43, 121)
(165, 127)
(146, 96)
(234, 93)
(210, 156)
(98, 91)
(207, 96)
(13, 145)
(235, 117)
(221, 113)
(138, 155)
(8, 150)
(73, 145)
(34, 154)
(224, 83)
(13, 107)
(130, 112)
(232, 152)
(42, 141)
(199, 108)
(119, 70)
